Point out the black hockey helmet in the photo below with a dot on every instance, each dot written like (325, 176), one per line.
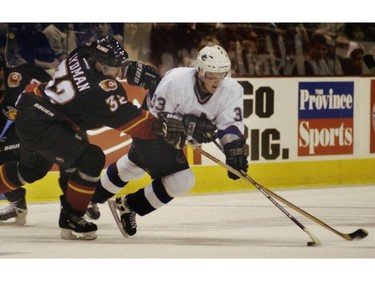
(3, 62)
(108, 51)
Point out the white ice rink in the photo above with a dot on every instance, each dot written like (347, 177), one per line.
(242, 229)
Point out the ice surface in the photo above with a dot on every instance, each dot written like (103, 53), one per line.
(213, 232)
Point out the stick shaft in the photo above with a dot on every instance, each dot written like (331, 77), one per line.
(262, 190)
(247, 178)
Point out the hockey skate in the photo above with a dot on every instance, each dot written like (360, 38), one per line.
(16, 210)
(76, 228)
(124, 216)
(93, 211)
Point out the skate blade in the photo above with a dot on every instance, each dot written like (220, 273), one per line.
(12, 223)
(19, 220)
(69, 234)
(112, 207)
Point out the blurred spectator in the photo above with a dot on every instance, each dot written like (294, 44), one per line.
(342, 46)
(83, 32)
(163, 47)
(137, 41)
(330, 29)
(102, 29)
(261, 49)
(228, 36)
(33, 47)
(188, 37)
(62, 39)
(258, 56)
(369, 32)
(356, 34)
(317, 60)
(355, 59)
(354, 65)
(293, 43)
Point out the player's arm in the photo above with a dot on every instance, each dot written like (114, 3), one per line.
(139, 74)
(230, 132)
(144, 125)
(236, 153)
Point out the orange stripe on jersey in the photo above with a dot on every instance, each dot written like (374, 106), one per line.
(81, 188)
(78, 196)
(136, 123)
(5, 184)
(140, 127)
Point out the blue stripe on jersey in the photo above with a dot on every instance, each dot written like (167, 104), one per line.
(160, 192)
(230, 130)
(112, 173)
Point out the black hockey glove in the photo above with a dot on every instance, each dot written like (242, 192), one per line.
(236, 153)
(171, 128)
(200, 129)
(145, 76)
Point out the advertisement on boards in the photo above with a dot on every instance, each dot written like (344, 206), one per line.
(325, 118)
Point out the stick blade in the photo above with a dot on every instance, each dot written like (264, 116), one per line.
(359, 234)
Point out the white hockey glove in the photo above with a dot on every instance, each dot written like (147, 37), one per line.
(171, 128)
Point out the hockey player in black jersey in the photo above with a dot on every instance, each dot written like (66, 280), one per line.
(52, 119)
(12, 83)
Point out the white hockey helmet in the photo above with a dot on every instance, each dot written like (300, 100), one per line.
(213, 59)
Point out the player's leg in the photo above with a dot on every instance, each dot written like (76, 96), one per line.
(80, 188)
(17, 208)
(88, 161)
(171, 177)
(150, 198)
(113, 179)
(14, 174)
(52, 138)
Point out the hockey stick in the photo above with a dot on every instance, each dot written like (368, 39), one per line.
(356, 235)
(241, 174)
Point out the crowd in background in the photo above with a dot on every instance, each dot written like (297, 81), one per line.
(256, 49)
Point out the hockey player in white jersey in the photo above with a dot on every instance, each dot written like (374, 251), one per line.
(211, 105)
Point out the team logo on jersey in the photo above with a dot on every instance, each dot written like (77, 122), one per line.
(10, 113)
(14, 79)
(108, 85)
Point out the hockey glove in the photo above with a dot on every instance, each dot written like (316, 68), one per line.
(171, 128)
(236, 153)
(200, 129)
(145, 76)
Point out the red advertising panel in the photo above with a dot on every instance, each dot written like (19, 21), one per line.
(325, 137)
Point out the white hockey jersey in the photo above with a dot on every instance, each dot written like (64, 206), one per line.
(176, 93)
